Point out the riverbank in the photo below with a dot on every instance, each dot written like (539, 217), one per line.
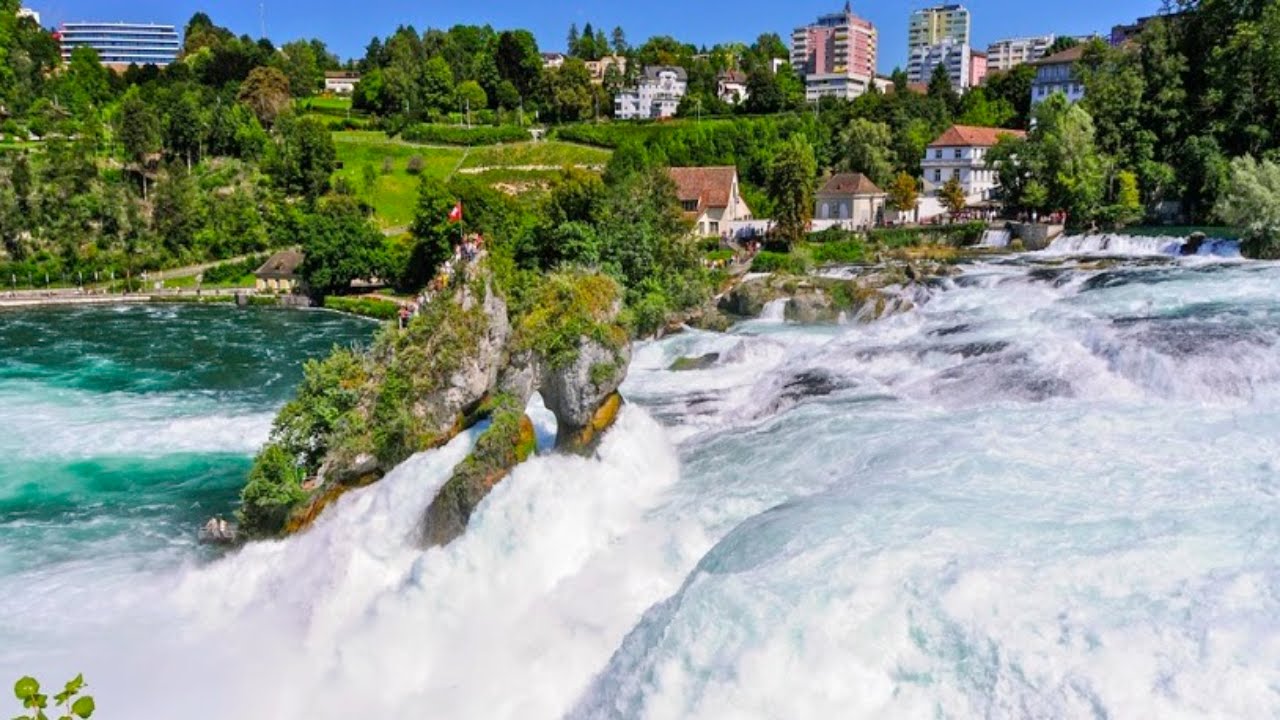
(45, 298)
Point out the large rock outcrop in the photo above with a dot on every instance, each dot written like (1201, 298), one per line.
(462, 361)
(821, 300)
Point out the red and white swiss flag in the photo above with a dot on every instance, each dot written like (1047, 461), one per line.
(455, 215)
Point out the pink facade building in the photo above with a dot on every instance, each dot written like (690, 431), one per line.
(836, 56)
(977, 68)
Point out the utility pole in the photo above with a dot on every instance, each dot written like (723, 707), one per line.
(262, 16)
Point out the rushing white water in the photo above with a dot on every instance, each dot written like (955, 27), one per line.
(1136, 246)
(1049, 491)
(995, 239)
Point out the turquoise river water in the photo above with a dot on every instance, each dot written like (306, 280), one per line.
(1051, 490)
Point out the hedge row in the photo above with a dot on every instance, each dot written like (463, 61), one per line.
(456, 135)
(363, 306)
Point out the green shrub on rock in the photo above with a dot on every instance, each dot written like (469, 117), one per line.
(274, 488)
(569, 306)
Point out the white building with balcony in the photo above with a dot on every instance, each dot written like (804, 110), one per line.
(1057, 74)
(961, 153)
(657, 95)
(1005, 55)
(956, 58)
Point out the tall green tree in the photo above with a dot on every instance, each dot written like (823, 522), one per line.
(340, 245)
(301, 156)
(266, 92)
(139, 132)
(791, 188)
(434, 234)
(302, 66)
(867, 147)
(1251, 201)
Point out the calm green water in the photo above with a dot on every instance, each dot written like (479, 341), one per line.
(122, 428)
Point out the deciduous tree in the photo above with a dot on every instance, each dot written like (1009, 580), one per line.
(791, 187)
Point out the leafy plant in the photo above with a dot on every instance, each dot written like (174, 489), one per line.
(70, 703)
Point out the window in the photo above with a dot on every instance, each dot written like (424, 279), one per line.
(715, 228)
(689, 205)
(937, 176)
(937, 154)
(959, 153)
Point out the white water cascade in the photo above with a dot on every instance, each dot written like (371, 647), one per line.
(1136, 246)
(995, 239)
(1048, 491)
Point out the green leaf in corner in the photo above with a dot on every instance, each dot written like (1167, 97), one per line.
(75, 685)
(83, 707)
(26, 687)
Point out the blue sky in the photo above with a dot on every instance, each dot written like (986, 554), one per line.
(347, 26)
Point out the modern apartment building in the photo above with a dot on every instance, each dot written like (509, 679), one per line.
(955, 57)
(122, 44)
(657, 95)
(933, 25)
(836, 55)
(1005, 55)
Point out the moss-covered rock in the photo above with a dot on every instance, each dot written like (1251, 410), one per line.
(748, 298)
(583, 440)
(358, 415)
(702, 362)
(508, 441)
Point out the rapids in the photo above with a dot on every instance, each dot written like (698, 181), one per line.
(1051, 490)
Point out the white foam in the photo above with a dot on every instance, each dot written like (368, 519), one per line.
(352, 619)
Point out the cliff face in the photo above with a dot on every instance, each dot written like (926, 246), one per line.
(462, 361)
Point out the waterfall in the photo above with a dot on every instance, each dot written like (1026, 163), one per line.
(1136, 246)
(774, 311)
(995, 239)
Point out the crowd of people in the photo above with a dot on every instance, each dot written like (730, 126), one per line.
(467, 251)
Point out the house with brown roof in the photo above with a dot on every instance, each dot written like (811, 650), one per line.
(961, 153)
(851, 201)
(279, 274)
(710, 197)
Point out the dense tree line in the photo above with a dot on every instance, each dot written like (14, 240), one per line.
(151, 167)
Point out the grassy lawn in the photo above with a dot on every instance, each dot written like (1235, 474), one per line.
(329, 106)
(550, 153)
(396, 191)
(189, 282)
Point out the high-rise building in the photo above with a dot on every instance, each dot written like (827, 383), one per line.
(955, 57)
(1005, 55)
(933, 25)
(836, 55)
(122, 44)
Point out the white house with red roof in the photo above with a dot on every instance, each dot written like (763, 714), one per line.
(961, 153)
(710, 197)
